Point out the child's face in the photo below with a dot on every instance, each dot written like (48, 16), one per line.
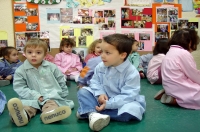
(110, 55)
(67, 49)
(35, 56)
(135, 46)
(97, 49)
(13, 57)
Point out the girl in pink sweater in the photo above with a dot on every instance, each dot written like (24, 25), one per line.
(68, 62)
(94, 50)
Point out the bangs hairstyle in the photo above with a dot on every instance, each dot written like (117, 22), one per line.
(6, 51)
(184, 37)
(92, 46)
(122, 42)
(34, 42)
(161, 47)
(66, 42)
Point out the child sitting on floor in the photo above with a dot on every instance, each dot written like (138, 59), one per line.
(8, 64)
(114, 89)
(94, 50)
(40, 86)
(180, 77)
(68, 62)
(88, 71)
(134, 58)
(154, 67)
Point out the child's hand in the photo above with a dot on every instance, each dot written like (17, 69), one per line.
(1, 77)
(73, 69)
(67, 72)
(101, 107)
(102, 99)
(9, 77)
(41, 98)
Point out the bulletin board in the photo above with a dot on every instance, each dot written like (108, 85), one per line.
(54, 20)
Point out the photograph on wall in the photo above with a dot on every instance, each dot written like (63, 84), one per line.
(44, 34)
(162, 27)
(20, 45)
(20, 19)
(3, 43)
(106, 33)
(103, 26)
(144, 36)
(31, 26)
(97, 13)
(86, 20)
(141, 45)
(159, 35)
(77, 20)
(20, 7)
(182, 23)
(83, 12)
(66, 11)
(81, 41)
(66, 19)
(20, 36)
(136, 17)
(174, 26)
(67, 32)
(29, 35)
(193, 25)
(31, 12)
(161, 14)
(80, 51)
(86, 32)
(109, 13)
(172, 14)
(130, 35)
(53, 15)
(98, 20)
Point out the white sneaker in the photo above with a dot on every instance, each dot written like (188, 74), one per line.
(4, 83)
(16, 111)
(78, 116)
(98, 121)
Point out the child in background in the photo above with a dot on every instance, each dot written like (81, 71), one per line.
(154, 67)
(94, 50)
(49, 58)
(88, 71)
(144, 62)
(68, 62)
(40, 86)
(114, 88)
(8, 64)
(180, 77)
(134, 58)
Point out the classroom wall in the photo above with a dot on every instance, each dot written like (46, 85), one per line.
(6, 24)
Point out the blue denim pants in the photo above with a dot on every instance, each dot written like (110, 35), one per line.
(87, 103)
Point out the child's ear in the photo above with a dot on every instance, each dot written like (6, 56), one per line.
(6, 57)
(123, 55)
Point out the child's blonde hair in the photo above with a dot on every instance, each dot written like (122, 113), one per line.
(34, 42)
(67, 42)
(91, 48)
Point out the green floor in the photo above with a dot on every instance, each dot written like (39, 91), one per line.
(158, 117)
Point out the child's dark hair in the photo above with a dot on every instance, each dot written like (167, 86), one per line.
(67, 42)
(184, 37)
(161, 47)
(6, 51)
(122, 42)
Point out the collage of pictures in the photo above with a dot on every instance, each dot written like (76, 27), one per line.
(144, 39)
(82, 36)
(25, 17)
(136, 17)
(23, 37)
(104, 18)
(166, 14)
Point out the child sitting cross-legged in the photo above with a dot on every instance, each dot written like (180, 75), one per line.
(40, 86)
(114, 90)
